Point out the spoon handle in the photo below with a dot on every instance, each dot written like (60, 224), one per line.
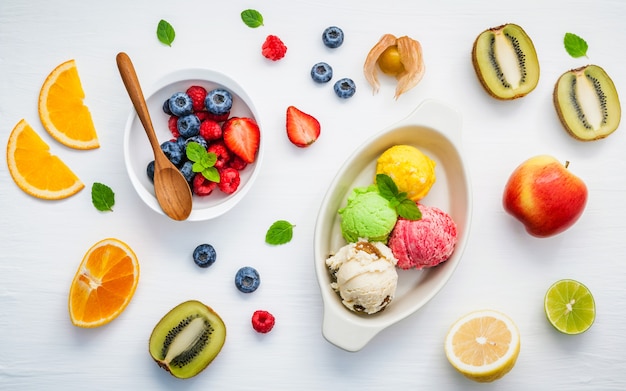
(131, 82)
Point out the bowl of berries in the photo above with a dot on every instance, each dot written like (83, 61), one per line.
(208, 127)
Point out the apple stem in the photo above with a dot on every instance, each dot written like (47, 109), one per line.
(566, 163)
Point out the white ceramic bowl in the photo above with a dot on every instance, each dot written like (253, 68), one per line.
(137, 151)
(436, 130)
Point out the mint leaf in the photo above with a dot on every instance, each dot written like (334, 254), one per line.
(408, 209)
(211, 174)
(386, 186)
(203, 161)
(252, 18)
(575, 45)
(280, 232)
(195, 152)
(165, 32)
(102, 197)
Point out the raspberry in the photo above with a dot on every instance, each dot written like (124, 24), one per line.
(202, 186)
(273, 48)
(197, 95)
(229, 180)
(237, 163)
(202, 115)
(218, 117)
(172, 124)
(262, 321)
(223, 154)
(210, 130)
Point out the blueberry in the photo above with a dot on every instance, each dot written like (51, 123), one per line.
(187, 171)
(150, 171)
(180, 104)
(345, 88)
(173, 151)
(321, 72)
(204, 255)
(188, 126)
(332, 37)
(218, 101)
(197, 139)
(166, 107)
(247, 279)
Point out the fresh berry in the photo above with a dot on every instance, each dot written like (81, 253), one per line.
(204, 255)
(150, 171)
(166, 107)
(218, 101)
(332, 37)
(302, 129)
(229, 180)
(202, 115)
(197, 139)
(247, 279)
(242, 136)
(210, 130)
(188, 126)
(273, 48)
(262, 321)
(180, 104)
(172, 124)
(218, 117)
(202, 186)
(173, 151)
(197, 95)
(237, 163)
(321, 72)
(222, 153)
(187, 171)
(345, 88)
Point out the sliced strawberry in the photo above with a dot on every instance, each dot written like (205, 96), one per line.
(242, 136)
(302, 129)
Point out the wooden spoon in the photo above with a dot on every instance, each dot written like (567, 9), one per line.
(170, 186)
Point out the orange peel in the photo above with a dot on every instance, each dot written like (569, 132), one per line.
(410, 52)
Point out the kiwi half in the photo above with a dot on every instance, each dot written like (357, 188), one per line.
(506, 62)
(187, 339)
(587, 103)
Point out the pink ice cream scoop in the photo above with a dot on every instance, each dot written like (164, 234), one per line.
(426, 242)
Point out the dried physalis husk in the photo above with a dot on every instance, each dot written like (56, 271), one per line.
(408, 72)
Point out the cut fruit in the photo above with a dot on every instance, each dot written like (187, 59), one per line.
(506, 62)
(187, 339)
(587, 103)
(62, 111)
(570, 307)
(35, 170)
(104, 283)
(483, 345)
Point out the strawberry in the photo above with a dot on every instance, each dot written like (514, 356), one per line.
(242, 136)
(302, 128)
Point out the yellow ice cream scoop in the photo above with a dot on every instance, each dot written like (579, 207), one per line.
(411, 170)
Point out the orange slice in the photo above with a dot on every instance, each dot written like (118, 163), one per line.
(35, 170)
(62, 111)
(104, 283)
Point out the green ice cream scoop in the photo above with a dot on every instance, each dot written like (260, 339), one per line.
(367, 215)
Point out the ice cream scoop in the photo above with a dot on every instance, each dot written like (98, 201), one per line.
(411, 170)
(368, 215)
(364, 275)
(423, 243)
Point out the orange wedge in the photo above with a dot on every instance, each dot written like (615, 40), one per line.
(35, 170)
(62, 111)
(104, 283)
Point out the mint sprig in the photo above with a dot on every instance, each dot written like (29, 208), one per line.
(575, 45)
(405, 207)
(165, 32)
(203, 161)
(252, 18)
(102, 197)
(280, 232)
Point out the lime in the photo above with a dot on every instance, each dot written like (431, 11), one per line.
(570, 307)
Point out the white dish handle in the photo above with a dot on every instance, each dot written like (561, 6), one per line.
(433, 114)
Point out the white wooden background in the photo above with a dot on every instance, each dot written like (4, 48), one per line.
(503, 268)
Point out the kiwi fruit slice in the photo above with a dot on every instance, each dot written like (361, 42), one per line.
(187, 339)
(506, 62)
(587, 103)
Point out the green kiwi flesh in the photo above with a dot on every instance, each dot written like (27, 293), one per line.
(506, 62)
(587, 103)
(187, 339)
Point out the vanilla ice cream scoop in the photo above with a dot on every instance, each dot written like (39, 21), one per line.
(364, 275)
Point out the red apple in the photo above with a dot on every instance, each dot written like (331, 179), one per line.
(545, 196)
